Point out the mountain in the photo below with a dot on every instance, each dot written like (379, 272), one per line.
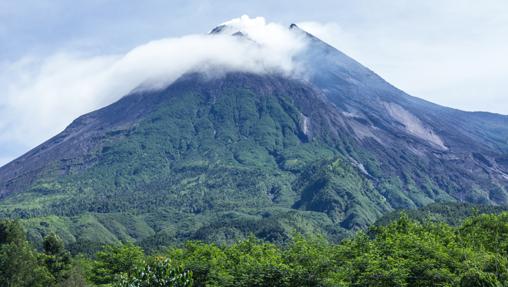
(218, 157)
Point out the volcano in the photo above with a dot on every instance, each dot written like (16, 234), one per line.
(218, 157)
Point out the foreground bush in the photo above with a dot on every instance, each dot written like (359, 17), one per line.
(402, 253)
(161, 272)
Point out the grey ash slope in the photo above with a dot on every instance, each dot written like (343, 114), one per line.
(351, 87)
(394, 119)
(218, 158)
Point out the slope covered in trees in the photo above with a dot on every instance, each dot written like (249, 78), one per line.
(449, 213)
(216, 156)
(217, 159)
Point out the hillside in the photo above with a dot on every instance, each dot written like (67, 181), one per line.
(218, 157)
(450, 213)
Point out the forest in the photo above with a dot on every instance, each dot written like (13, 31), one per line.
(402, 252)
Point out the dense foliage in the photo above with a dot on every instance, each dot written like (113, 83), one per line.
(404, 252)
(450, 213)
(218, 160)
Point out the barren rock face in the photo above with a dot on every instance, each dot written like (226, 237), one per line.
(413, 125)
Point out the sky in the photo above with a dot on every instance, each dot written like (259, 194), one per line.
(450, 52)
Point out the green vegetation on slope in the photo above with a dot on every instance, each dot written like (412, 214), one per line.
(196, 170)
(449, 213)
(405, 252)
(219, 159)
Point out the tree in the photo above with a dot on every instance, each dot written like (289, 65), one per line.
(256, 263)
(206, 261)
(115, 261)
(476, 278)
(11, 232)
(75, 277)
(160, 272)
(310, 260)
(19, 263)
(58, 259)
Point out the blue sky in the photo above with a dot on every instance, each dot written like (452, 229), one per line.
(450, 52)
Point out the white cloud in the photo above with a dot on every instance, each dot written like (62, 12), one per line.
(452, 53)
(44, 95)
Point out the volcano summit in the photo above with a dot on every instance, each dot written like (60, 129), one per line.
(282, 132)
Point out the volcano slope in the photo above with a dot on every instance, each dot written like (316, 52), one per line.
(216, 158)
